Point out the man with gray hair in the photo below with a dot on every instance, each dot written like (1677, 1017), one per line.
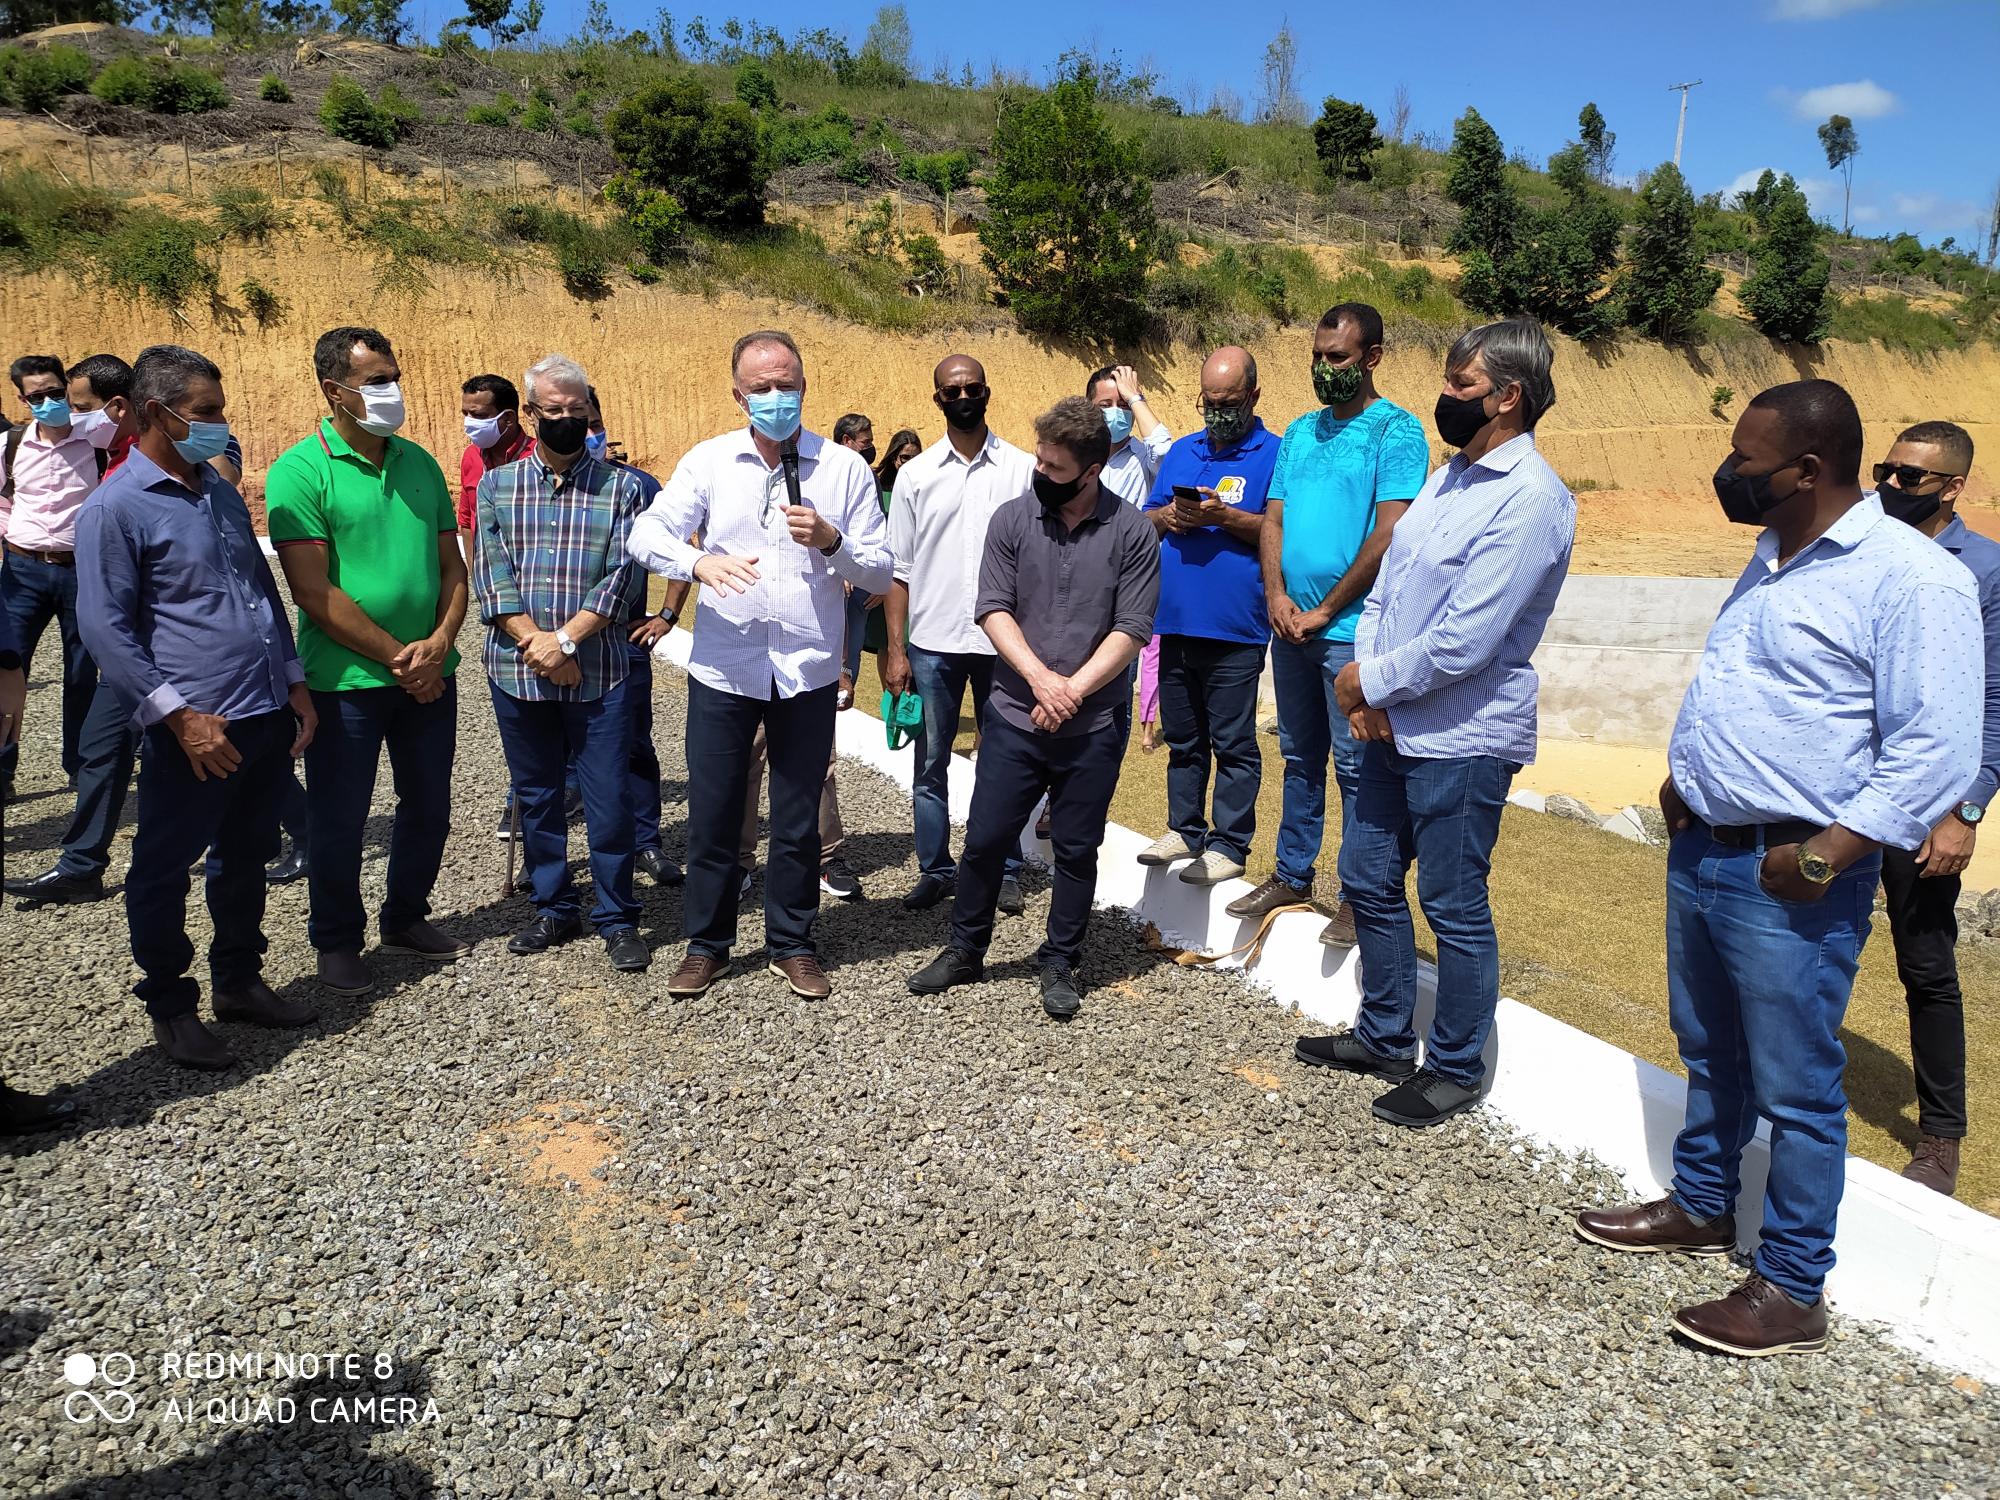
(788, 521)
(1442, 690)
(555, 587)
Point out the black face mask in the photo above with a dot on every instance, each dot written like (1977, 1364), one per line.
(965, 413)
(1460, 418)
(868, 455)
(562, 435)
(1055, 496)
(1911, 510)
(1747, 498)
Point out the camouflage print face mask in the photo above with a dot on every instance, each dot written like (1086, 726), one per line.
(1226, 424)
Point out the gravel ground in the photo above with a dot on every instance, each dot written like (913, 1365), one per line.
(611, 1244)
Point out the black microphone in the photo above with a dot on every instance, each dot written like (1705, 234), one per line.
(788, 455)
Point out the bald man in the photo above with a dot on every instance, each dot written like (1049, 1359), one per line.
(1207, 504)
(945, 498)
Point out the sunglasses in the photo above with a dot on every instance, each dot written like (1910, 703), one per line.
(973, 390)
(1909, 476)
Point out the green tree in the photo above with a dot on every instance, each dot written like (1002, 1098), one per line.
(380, 19)
(1666, 286)
(1344, 136)
(489, 16)
(1761, 199)
(1599, 144)
(754, 86)
(889, 39)
(1842, 145)
(1488, 211)
(655, 217)
(1786, 293)
(709, 156)
(1556, 267)
(1070, 230)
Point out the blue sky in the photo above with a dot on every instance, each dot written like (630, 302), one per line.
(1913, 74)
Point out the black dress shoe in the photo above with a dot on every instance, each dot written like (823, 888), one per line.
(927, 892)
(627, 950)
(257, 1004)
(659, 869)
(1062, 992)
(21, 1113)
(53, 888)
(285, 871)
(191, 1044)
(1012, 902)
(544, 933)
(951, 967)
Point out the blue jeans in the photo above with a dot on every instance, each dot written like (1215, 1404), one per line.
(1208, 713)
(35, 594)
(235, 817)
(1444, 814)
(642, 764)
(1310, 728)
(1756, 989)
(593, 738)
(857, 629)
(355, 725)
(940, 678)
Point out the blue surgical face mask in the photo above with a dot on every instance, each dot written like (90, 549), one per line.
(205, 440)
(597, 442)
(775, 413)
(1117, 422)
(51, 411)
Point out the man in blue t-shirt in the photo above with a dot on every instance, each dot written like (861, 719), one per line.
(1345, 474)
(1207, 503)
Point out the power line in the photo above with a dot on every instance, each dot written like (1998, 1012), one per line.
(1681, 129)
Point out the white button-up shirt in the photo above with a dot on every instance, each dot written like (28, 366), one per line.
(1129, 472)
(52, 479)
(937, 531)
(783, 636)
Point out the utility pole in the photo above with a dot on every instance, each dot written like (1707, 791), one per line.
(1681, 129)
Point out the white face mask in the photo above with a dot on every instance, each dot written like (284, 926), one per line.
(482, 432)
(382, 407)
(89, 423)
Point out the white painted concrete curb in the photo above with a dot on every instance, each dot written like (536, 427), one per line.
(1926, 1266)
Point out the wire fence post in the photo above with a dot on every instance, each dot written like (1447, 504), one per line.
(187, 160)
(278, 156)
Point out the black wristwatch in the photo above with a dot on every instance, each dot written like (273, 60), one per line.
(829, 551)
(671, 616)
(1971, 814)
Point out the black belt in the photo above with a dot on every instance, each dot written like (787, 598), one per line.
(1763, 835)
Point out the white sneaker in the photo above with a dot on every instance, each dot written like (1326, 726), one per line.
(1211, 869)
(1165, 849)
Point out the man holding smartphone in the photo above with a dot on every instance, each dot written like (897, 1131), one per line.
(1207, 505)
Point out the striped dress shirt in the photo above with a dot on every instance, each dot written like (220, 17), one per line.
(549, 545)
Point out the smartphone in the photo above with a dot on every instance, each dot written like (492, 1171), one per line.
(1186, 494)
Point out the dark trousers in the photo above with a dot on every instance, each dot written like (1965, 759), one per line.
(105, 751)
(1924, 924)
(355, 726)
(1017, 766)
(591, 738)
(1208, 712)
(642, 764)
(798, 735)
(36, 594)
(940, 679)
(235, 817)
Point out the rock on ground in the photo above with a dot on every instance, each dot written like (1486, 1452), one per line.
(876, 1247)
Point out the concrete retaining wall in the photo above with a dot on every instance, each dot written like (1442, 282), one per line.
(1619, 654)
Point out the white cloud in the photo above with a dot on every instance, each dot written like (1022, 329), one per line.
(1819, 10)
(1864, 100)
(1742, 182)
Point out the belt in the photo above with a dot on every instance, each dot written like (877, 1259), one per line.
(54, 559)
(1762, 835)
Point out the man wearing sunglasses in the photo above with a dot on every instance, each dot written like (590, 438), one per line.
(1920, 483)
(788, 520)
(945, 499)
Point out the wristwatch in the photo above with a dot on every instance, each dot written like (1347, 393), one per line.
(1816, 867)
(1971, 814)
(671, 616)
(568, 645)
(829, 551)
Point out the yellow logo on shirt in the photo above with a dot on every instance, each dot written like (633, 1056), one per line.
(1229, 489)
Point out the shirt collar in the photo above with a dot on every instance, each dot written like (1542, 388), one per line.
(1503, 459)
(33, 435)
(339, 447)
(1952, 538)
(1251, 434)
(150, 476)
(1845, 534)
(576, 474)
(986, 452)
(810, 444)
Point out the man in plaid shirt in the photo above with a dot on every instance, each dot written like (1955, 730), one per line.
(553, 582)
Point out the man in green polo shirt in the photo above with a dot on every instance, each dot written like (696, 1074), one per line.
(368, 536)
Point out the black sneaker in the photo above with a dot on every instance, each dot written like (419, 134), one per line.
(506, 829)
(545, 932)
(627, 950)
(1062, 992)
(836, 879)
(952, 967)
(1012, 902)
(927, 892)
(1347, 1052)
(1426, 1099)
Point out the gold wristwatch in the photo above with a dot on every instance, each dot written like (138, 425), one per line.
(1816, 868)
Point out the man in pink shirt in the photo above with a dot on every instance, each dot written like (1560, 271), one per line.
(53, 462)
(494, 438)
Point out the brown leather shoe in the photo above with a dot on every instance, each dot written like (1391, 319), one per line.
(1935, 1164)
(696, 973)
(186, 1041)
(1273, 895)
(1340, 933)
(1660, 1225)
(257, 1004)
(1754, 1320)
(803, 973)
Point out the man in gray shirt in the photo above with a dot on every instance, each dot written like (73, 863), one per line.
(1068, 588)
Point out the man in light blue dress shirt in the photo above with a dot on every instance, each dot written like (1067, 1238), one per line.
(1442, 690)
(1836, 712)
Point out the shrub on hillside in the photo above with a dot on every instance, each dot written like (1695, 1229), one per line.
(156, 259)
(1786, 293)
(501, 111)
(710, 156)
(273, 90)
(755, 87)
(160, 86)
(345, 111)
(263, 304)
(248, 212)
(34, 79)
(1666, 286)
(943, 172)
(655, 217)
